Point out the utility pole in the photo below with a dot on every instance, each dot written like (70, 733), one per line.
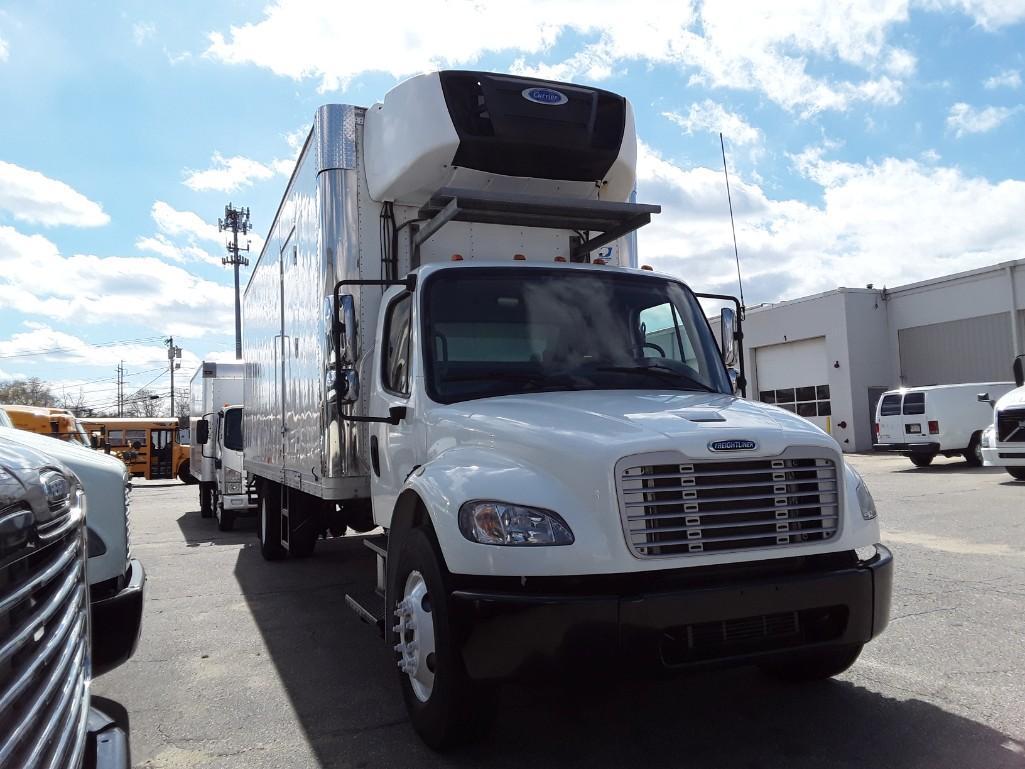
(173, 361)
(236, 220)
(120, 388)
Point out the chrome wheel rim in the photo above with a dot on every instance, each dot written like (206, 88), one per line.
(414, 631)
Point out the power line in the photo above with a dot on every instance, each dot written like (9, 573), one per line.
(75, 349)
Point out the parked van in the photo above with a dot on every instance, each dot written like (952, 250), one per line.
(921, 422)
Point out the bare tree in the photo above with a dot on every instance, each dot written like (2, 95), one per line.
(143, 403)
(76, 403)
(181, 405)
(27, 392)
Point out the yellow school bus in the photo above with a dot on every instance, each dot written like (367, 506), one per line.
(58, 423)
(150, 446)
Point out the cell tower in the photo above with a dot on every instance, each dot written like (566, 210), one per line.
(236, 220)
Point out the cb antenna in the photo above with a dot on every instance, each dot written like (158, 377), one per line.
(736, 253)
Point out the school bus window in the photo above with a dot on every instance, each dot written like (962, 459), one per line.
(136, 435)
(114, 437)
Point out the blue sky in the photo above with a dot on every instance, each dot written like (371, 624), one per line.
(868, 142)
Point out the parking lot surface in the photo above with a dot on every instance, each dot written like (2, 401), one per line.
(244, 663)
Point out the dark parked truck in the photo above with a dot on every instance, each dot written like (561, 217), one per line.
(46, 717)
(447, 336)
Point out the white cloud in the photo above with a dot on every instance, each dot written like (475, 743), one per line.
(744, 45)
(97, 289)
(229, 174)
(162, 246)
(966, 119)
(5, 50)
(32, 197)
(714, 118)
(988, 14)
(189, 229)
(1008, 78)
(171, 221)
(142, 31)
(887, 223)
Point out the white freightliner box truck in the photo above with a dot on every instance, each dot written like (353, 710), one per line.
(215, 422)
(1003, 442)
(446, 336)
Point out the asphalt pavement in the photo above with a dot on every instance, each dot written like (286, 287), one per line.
(244, 663)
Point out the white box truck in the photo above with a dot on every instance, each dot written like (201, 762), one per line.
(447, 337)
(924, 422)
(1003, 443)
(215, 423)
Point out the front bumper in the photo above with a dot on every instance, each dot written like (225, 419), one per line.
(736, 619)
(909, 448)
(1004, 456)
(106, 744)
(238, 503)
(117, 622)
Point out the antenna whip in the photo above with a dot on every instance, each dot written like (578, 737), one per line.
(736, 253)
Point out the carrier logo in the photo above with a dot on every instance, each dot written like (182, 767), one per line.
(732, 445)
(544, 96)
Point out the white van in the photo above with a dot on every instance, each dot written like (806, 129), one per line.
(1003, 442)
(921, 422)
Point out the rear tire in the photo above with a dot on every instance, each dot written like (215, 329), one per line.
(269, 528)
(922, 460)
(443, 704)
(185, 475)
(304, 520)
(206, 500)
(1018, 473)
(802, 668)
(973, 455)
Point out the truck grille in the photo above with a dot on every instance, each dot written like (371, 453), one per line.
(44, 660)
(1011, 426)
(673, 506)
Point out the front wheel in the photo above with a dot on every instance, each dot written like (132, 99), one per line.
(206, 500)
(922, 460)
(184, 473)
(441, 701)
(973, 455)
(1018, 473)
(225, 518)
(815, 666)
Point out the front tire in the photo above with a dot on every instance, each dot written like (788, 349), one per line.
(270, 522)
(440, 699)
(206, 500)
(225, 518)
(184, 473)
(802, 668)
(922, 460)
(973, 455)
(1018, 473)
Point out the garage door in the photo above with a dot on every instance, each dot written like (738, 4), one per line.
(970, 350)
(794, 376)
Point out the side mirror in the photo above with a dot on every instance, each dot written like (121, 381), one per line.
(984, 398)
(347, 351)
(348, 390)
(94, 441)
(1019, 370)
(728, 336)
(202, 431)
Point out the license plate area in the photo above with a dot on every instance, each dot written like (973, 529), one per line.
(913, 429)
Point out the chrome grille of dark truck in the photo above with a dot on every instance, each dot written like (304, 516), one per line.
(44, 669)
(685, 507)
(1011, 425)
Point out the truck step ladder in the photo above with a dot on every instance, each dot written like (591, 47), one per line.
(379, 545)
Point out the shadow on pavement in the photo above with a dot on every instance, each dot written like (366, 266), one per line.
(950, 468)
(342, 685)
(197, 531)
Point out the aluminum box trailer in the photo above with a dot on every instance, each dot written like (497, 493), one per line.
(215, 422)
(447, 336)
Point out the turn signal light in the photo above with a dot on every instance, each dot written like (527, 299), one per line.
(877, 429)
(519, 257)
(934, 427)
(560, 258)
(598, 261)
(647, 267)
(457, 257)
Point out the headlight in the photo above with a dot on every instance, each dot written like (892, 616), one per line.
(987, 438)
(868, 505)
(232, 476)
(501, 523)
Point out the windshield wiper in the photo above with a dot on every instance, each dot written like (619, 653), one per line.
(539, 380)
(658, 369)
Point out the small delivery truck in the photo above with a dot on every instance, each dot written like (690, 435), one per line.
(1003, 443)
(449, 337)
(215, 422)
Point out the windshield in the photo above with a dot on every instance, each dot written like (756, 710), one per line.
(233, 429)
(504, 331)
(5, 419)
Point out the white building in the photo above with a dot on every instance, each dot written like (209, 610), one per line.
(830, 356)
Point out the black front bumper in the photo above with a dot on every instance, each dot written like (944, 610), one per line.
(733, 619)
(117, 621)
(106, 745)
(908, 448)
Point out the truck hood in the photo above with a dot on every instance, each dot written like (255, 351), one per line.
(1014, 398)
(623, 422)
